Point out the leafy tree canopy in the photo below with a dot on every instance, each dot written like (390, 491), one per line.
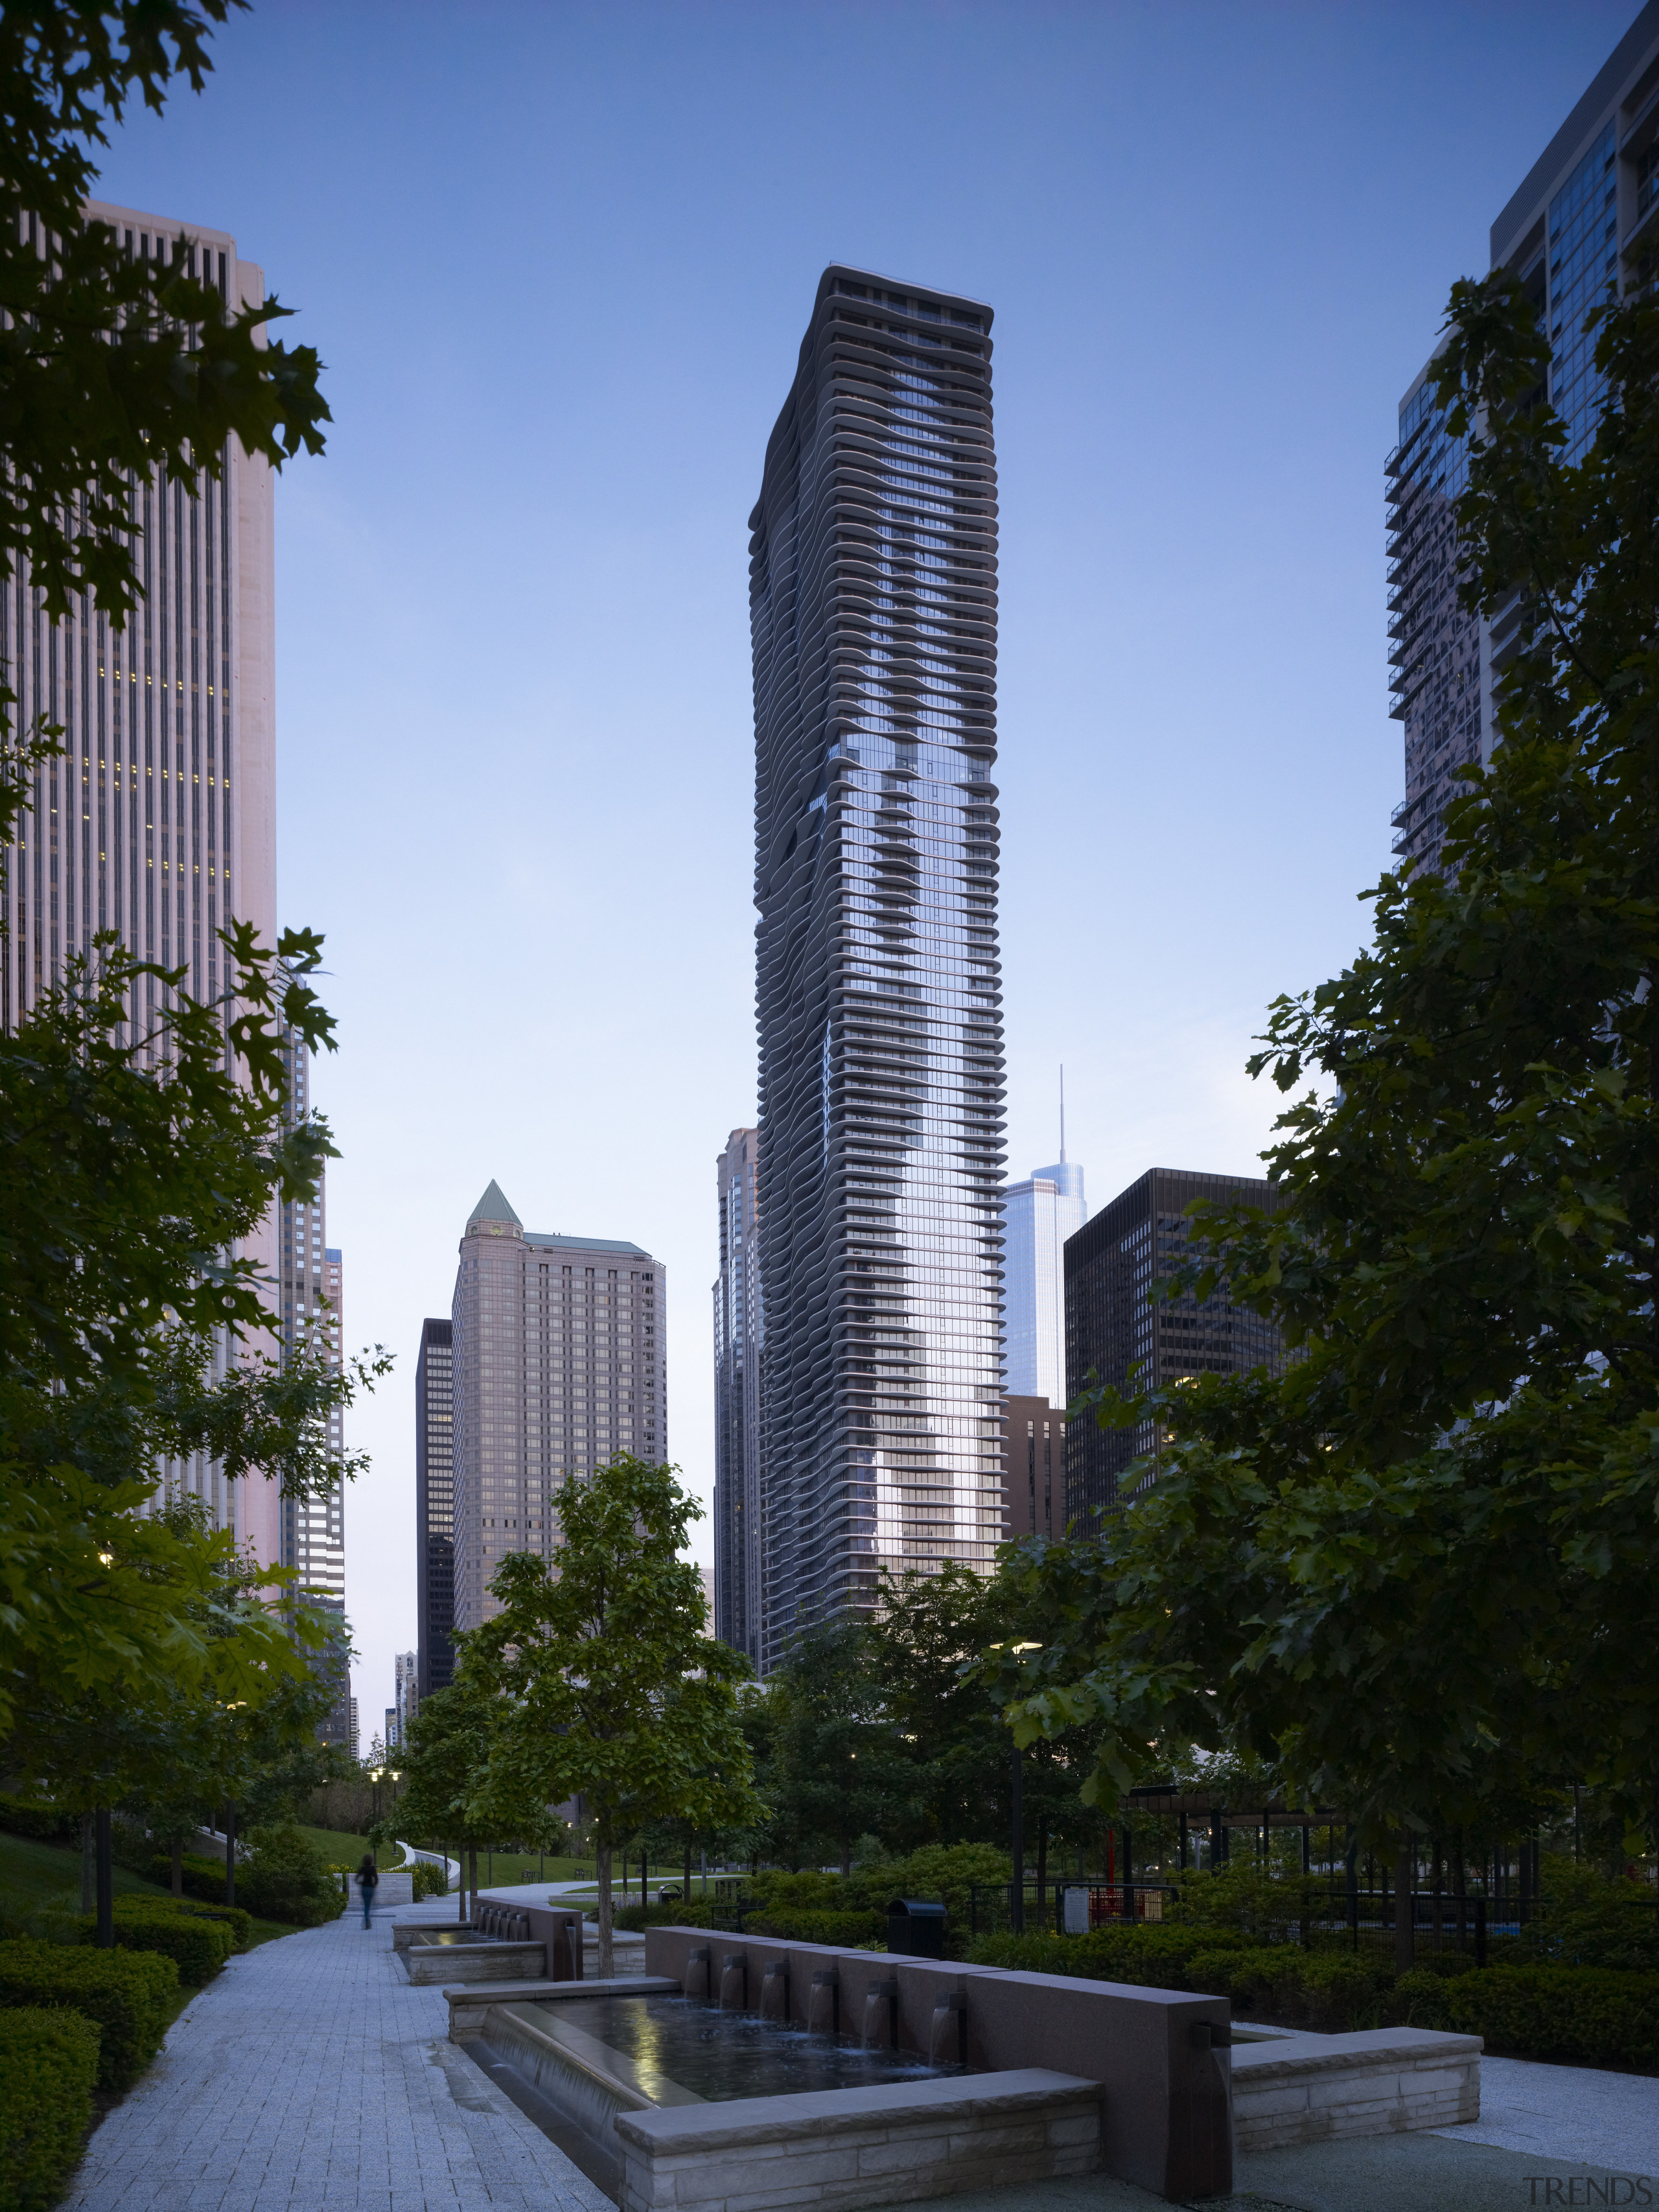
(1414, 1573)
(610, 1688)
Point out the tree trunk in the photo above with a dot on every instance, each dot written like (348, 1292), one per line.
(88, 1866)
(230, 1854)
(602, 1868)
(177, 1866)
(1042, 1863)
(685, 1891)
(1405, 1871)
(472, 1883)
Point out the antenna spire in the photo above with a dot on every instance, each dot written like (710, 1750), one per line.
(1062, 1112)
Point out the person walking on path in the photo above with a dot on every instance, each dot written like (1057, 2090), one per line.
(368, 1875)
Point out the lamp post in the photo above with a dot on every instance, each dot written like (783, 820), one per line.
(1017, 1810)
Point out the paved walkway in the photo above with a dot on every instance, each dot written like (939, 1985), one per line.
(311, 2077)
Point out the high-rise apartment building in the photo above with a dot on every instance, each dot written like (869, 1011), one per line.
(738, 1548)
(872, 601)
(312, 1283)
(1034, 1471)
(1116, 1331)
(1039, 1215)
(1582, 226)
(434, 1508)
(559, 1363)
(158, 820)
(405, 1695)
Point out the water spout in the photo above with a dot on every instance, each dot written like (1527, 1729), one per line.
(881, 2016)
(824, 2004)
(774, 1993)
(734, 1982)
(947, 2032)
(698, 1965)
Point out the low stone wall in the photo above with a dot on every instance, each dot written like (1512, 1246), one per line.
(1309, 2088)
(837, 2150)
(469, 2008)
(1162, 2054)
(545, 1922)
(474, 1962)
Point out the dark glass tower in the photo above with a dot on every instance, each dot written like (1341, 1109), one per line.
(1113, 1330)
(872, 596)
(435, 1507)
(1583, 227)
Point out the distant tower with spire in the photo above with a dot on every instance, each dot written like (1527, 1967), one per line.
(1038, 1215)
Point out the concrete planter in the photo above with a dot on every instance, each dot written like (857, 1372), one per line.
(1311, 2088)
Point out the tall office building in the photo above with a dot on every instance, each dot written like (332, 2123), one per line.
(434, 1508)
(559, 1363)
(158, 821)
(1114, 1331)
(1039, 1215)
(738, 1549)
(872, 601)
(1034, 1470)
(312, 1288)
(1583, 223)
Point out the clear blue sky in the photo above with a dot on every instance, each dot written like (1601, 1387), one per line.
(558, 259)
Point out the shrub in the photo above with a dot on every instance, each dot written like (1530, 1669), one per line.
(285, 1877)
(238, 1922)
(129, 1994)
(1594, 2015)
(1418, 1999)
(202, 1877)
(48, 2067)
(198, 1947)
(429, 1880)
(693, 1913)
(946, 1873)
(1588, 1921)
(847, 1929)
(47, 1824)
(1148, 1958)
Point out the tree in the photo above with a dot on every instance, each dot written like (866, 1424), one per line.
(445, 1762)
(609, 1687)
(136, 1157)
(1415, 1570)
(836, 1769)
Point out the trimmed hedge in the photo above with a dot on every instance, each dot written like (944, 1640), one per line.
(199, 1947)
(129, 1994)
(847, 1929)
(48, 2068)
(232, 1917)
(203, 1878)
(1148, 1958)
(285, 1877)
(46, 1824)
(1591, 2016)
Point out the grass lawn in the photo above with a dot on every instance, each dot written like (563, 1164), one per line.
(341, 1849)
(35, 1874)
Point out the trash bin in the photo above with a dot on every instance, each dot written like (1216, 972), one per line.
(915, 1929)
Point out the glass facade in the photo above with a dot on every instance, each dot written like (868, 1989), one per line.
(739, 1563)
(1115, 1333)
(1583, 227)
(873, 616)
(1040, 1214)
(559, 1363)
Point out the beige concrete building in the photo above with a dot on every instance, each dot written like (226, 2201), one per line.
(160, 819)
(559, 1363)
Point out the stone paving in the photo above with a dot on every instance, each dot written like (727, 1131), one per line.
(312, 2076)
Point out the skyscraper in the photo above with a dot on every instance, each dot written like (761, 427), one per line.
(738, 1548)
(1114, 1331)
(434, 1508)
(1584, 222)
(158, 820)
(559, 1363)
(1040, 1214)
(312, 1281)
(1034, 1473)
(872, 601)
(405, 1697)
